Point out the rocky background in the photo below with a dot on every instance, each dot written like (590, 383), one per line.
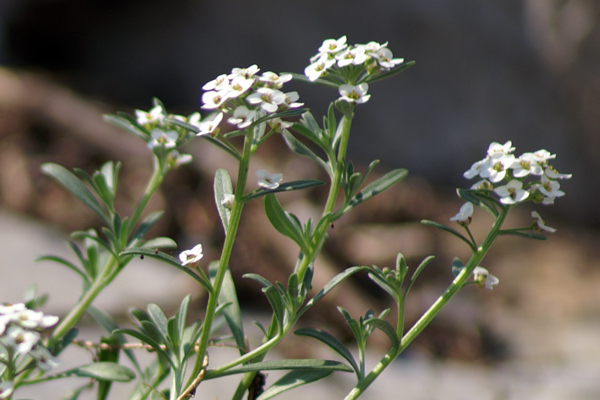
(520, 70)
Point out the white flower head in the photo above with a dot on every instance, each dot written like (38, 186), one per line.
(191, 258)
(477, 167)
(210, 124)
(175, 159)
(318, 67)
(245, 72)
(496, 149)
(526, 164)
(484, 279)
(464, 214)
(31, 319)
(543, 156)
(219, 83)
(160, 138)
(333, 46)
(239, 85)
(550, 188)
(274, 80)
(291, 100)
(512, 192)
(374, 47)
(8, 308)
(539, 224)
(355, 94)
(496, 169)
(551, 173)
(351, 56)
(267, 180)
(483, 184)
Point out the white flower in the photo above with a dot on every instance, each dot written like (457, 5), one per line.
(554, 174)
(543, 156)
(150, 117)
(355, 94)
(540, 224)
(242, 117)
(268, 99)
(213, 100)
(384, 58)
(291, 100)
(351, 56)
(239, 85)
(6, 389)
(495, 170)
(4, 321)
(267, 180)
(477, 167)
(525, 165)
(21, 340)
(192, 257)
(32, 319)
(550, 188)
(318, 67)
(374, 47)
(219, 83)
(464, 215)
(245, 72)
(512, 192)
(210, 124)
(11, 308)
(160, 138)
(274, 80)
(483, 184)
(175, 159)
(278, 125)
(496, 149)
(484, 279)
(45, 360)
(333, 46)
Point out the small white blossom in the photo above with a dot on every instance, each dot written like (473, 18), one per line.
(175, 159)
(45, 360)
(21, 340)
(351, 56)
(385, 58)
(484, 279)
(483, 184)
(374, 47)
(267, 180)
(4, 321)
(525, 165)
(477, 167)
(11, 308)
(191, 258)
(543, 156)
(540, 224)
(512, 192)
(496, 149)
(291, 100)
(210, 124)
(239, 85)
(219, 83)
(278, 125)
(268, 99)
(318, 67)
(245, 72)
(274, 80)
(31, 319)
(333, 46)
(228, 200)
(242, 117)
(496, 169)
(355, 94)
(464, 214)
(550, 188)
(160, 138)
(554, 174)
(153, 116)
(213, 100)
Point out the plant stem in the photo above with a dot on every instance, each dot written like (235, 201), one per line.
(234, 220)
(435, 308)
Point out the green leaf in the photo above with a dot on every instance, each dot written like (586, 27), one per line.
(375, 187)
(304, 78)
(292, 380)
(415, 274)
(148, 340)
(291, 364)
(480, 198)
(129, 124)
(339, 278)
(140, 251)
(386, 328)
(284, 187)
(301, 149)
(160, 321)
(160, 243)
(330, 341)
(232, 313)
(385, 285)
(450, 230)
(75, 186)
(146, 224)
(284, 222)
(527, 235)
(103, 371)
(223, 187)
(277, 304)
(392, 72)
(67, 264)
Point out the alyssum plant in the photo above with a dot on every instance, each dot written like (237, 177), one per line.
(254, 107)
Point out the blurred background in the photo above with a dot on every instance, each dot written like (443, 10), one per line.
(520, 70)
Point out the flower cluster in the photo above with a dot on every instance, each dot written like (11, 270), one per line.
(245, 96)
(516, 179)
(349, 65)
(20, 330)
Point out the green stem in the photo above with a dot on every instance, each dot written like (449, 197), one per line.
(435, 308)
(334, 189)
(154, 183)
(234, 220)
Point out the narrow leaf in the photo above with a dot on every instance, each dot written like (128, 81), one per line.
(290, 364)
(330, 341)
(339, 278)
(285, 187)
(292, 380)
(223, 188)
(75, 186)
(301, 149)
(232, 313)
(450, 230)
(282, 221)
(392, 72)
(104, 371)
(386, 328)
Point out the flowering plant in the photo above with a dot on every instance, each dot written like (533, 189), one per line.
(253, 106)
